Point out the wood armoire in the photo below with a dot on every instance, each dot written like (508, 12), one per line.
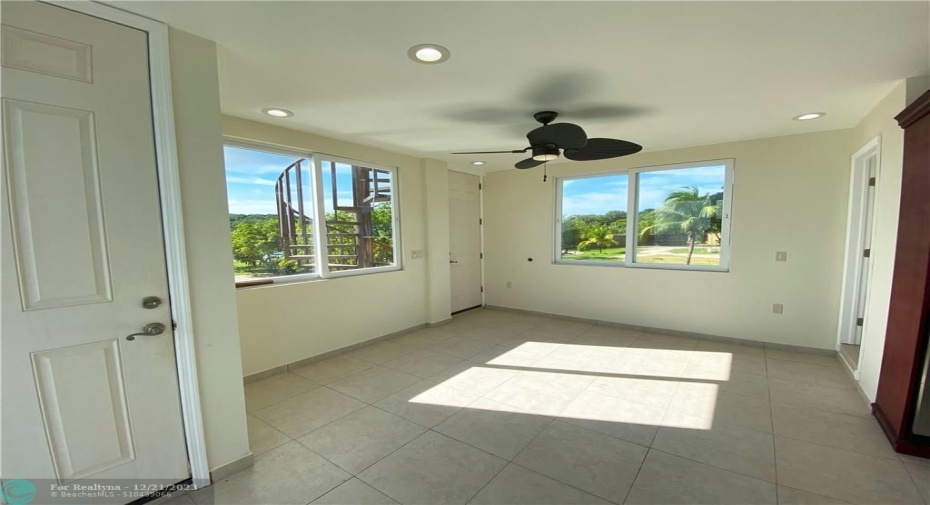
(903, 383)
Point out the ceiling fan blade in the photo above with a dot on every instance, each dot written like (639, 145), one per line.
(562, 135)
(516, 151)
(528, 163)
(602, 149)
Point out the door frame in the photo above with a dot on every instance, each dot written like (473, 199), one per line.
(169, 190)
(855, 235)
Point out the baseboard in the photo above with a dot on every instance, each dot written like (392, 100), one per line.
(224, 471)
(677, 333)
(439, 323)
(329, 354)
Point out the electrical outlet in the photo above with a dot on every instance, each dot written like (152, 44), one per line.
(778, 308)
(416, 254)
(781, 255)
(509, 284)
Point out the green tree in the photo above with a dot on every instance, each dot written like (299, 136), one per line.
(257, 242)
(686, 211)
(599, 236)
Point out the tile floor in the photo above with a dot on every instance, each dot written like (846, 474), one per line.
(506, 408)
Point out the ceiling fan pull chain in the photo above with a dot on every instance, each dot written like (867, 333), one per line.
(545, 166)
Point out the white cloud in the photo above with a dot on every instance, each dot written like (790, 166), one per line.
(252, 207)
(592, 203)
(250, 180)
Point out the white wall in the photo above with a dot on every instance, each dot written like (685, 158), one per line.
(195, 87)
(436, 210)
(880, 122)
(790, 195)
(285, 323)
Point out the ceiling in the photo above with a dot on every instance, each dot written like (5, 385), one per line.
(662, 74)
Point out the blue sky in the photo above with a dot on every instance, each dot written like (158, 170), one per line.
(251, 177)
(597, 195)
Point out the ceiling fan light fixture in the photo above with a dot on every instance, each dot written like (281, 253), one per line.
(429, 54)
(477, 163)
(545, 153)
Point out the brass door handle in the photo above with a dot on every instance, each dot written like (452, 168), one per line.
(148, 330)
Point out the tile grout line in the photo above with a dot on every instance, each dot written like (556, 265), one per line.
(772, 422)
(636, 477)
(552, 418)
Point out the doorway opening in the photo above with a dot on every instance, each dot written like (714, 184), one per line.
(857, 271)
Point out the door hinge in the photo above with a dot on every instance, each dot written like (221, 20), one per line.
(479, 186)
(871, 181)
(480, 221)
(480, 256)
(174, 325)
(482, 289)
(859, 321)
(867, 253)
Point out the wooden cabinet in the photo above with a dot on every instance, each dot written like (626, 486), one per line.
(906, 339)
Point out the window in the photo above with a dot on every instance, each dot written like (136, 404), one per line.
(274, 198)
(661, 217)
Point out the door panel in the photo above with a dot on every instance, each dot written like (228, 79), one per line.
(83, 400)
(82, 245)
(464, 241)
(55, 209)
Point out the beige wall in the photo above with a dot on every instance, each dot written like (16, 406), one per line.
(790, 195)
(195, 90)
(436, 209)
(880, 122)
(285, 323)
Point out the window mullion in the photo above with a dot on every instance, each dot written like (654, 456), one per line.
(321, 239)
(631, 218)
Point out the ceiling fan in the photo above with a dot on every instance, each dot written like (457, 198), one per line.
(549, 141)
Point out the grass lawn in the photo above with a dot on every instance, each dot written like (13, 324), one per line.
(608, 254)
(674, 256)
(676, 259)
(697, 250)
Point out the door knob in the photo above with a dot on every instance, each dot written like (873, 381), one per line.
(453, 261)
(149, 329)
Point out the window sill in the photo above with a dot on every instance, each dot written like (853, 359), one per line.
(312, 277)
(253, 282)
(646, 266)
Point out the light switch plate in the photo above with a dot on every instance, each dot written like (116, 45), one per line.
(778, 308)
(781, 255)
(416, 254)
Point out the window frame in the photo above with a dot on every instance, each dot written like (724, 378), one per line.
(632, 217)
(318, 208)
(320, 227)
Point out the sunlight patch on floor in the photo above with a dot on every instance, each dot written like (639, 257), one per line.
(642, 386)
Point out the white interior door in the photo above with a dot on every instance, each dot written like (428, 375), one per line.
(464, 240)
(82, 246)
(863, 284)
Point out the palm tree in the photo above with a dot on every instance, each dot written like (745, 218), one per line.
(686, 211)
(598, 236)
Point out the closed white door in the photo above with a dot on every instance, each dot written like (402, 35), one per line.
(82, 246)
(464, 240)
(863, 290)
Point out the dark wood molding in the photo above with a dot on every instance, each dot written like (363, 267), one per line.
(906, 336)
(914, 111)
(253, 282)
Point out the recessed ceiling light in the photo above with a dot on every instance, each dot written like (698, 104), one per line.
(810, 115)
(477, 163)
(428, 53)
(276, 112)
